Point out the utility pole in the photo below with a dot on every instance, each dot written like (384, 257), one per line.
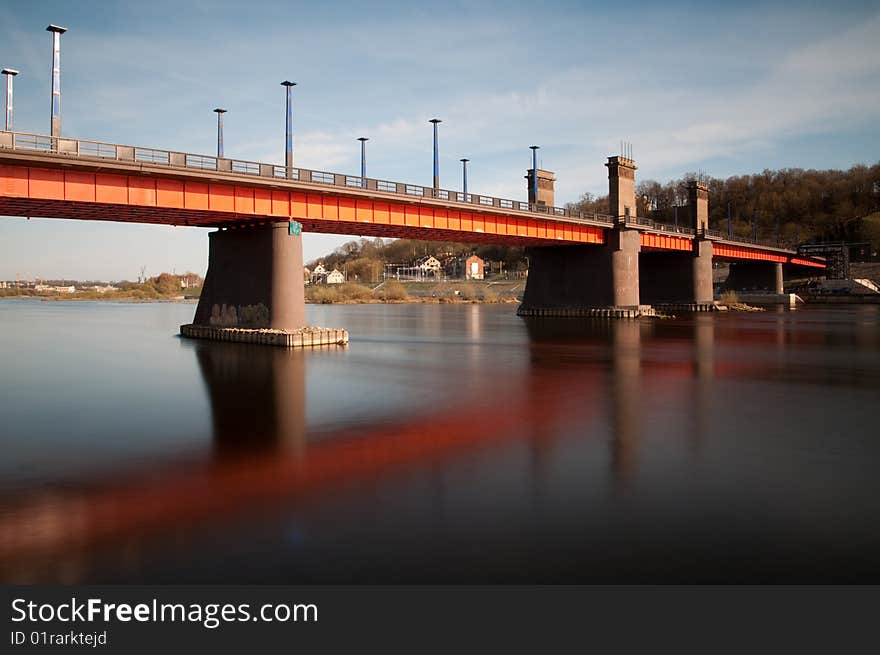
(363, 141)
(57, 31)
(288, 125)
(464, 163)
(9, 73)
(220, 113)
(534, 150)
(436, 121)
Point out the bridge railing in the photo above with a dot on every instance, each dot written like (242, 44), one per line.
(654, 225)
(97, 150)
(741, 239)
(82, 148)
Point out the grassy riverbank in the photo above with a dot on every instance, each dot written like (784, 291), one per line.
(118, 296)
(392, 291)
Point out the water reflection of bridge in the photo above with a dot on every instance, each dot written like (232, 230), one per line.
(576, 372)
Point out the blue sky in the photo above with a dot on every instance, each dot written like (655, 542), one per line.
(724, 88)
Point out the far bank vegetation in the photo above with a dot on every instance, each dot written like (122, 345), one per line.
(165, 286)
(393, 291)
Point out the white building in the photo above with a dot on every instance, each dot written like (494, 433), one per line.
(46, 287)
(317, 275)
(429, 266)
(335, 277)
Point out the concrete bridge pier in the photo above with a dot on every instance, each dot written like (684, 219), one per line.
(601, 280)
(254, 278)
(594, 280)
(682, 278)
(755, 276)
(678, 278)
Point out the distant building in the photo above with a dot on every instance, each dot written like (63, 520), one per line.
(318, 274)
(103, 289)
(52, 289)
(307, 275)
(334, 277)
(473, 268)
(429, 266)
(191, 281)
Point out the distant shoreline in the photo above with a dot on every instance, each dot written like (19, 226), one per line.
(417, 300)
(72, 297)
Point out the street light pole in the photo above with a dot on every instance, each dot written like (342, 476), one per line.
(464, 163)
(9, 73)
(436, 121)
(220, 113)
(57, 31)
(363, 141)
(534, 150)
(288, 125)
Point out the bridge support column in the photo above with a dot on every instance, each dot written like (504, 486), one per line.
(779, 287)
(702, 260)
(624, 246)
(755, 276)
(678, 277)
(254, 279)
(683, 279)
(585, 280)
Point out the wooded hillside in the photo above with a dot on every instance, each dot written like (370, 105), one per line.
(810, 205)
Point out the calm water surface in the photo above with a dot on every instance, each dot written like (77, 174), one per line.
(445, 444)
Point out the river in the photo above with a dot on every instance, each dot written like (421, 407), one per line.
(446, 443)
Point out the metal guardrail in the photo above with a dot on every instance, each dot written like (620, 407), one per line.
(97, 150)
(81, 148)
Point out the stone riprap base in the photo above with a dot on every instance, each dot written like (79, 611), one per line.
(303, 338)
(586, 312)
(687, 307)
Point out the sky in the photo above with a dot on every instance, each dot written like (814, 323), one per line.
(724, 88)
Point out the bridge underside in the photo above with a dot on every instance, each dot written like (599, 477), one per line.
(677, 277)
(211, 218)
(576, 280)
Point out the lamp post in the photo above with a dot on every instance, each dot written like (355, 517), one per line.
(288, 125)
(436, 121)
(220, 113)
(57, 31)
(9, 73)
(534, 150)
(464, 177)
(363, 141)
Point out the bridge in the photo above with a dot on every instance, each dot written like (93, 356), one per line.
(580, 263)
